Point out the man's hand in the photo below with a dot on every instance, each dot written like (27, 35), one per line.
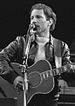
(18, 83)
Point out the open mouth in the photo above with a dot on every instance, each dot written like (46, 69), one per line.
(36, 27)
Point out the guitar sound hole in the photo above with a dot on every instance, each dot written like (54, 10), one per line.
(34, 79)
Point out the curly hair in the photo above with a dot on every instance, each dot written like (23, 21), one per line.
(47, 11)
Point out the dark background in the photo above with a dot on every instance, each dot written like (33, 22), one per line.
(14, 19)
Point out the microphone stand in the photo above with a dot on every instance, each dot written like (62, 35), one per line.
(24, 70)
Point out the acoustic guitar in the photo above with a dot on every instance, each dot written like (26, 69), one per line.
(40, 78)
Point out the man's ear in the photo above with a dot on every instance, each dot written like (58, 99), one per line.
(51, 21)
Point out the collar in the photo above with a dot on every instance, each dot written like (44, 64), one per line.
(51, 40)
(42, 40)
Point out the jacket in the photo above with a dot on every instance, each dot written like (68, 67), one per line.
(14, 52)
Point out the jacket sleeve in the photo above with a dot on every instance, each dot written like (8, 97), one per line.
(6, 55)
(65, 54)
(68, 75)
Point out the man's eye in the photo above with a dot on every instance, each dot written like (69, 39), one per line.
(32, 17)
(38, 17)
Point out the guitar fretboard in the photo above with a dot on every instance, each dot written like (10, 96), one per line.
(60, 70)
(57, 71)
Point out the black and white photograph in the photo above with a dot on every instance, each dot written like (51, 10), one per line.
(37, 53)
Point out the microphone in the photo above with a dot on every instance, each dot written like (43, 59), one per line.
(31, 26)
(32, 29)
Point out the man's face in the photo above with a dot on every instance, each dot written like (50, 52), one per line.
(39, 19)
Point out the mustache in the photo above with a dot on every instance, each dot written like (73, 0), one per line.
(33, 26)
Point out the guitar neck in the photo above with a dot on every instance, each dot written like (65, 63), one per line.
(58, 71)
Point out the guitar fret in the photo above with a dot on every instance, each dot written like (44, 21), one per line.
(57, 71)
(46, 74)
(54, 72)
(60, 70)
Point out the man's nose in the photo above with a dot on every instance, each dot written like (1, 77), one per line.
(34, 20)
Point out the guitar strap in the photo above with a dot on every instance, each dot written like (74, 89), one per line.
(57, 52)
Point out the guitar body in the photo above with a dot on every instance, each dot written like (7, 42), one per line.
(40, 80)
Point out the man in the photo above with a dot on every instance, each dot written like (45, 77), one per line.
(37, 44)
